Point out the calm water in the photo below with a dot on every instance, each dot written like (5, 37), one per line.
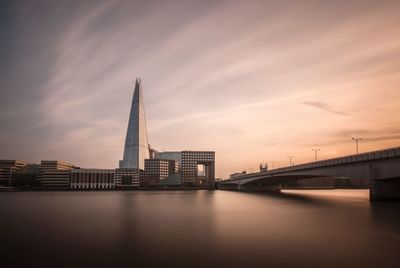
(333, 228)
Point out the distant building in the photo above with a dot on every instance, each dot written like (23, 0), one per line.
(7, 169)
(92, 179)
(55, 174)
(157, 170)
(127, 177)
(136, 148)
(170, 155)
(263, 167)
(196, 168)
(27, 177)
(174, 180)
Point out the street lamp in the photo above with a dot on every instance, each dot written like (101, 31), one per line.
(290, 160)
(356, 140)
(316, 153)
(273, 164)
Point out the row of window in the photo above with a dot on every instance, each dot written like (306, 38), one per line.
(92, 180)
(91, 175)
(92, 186)
(197, 160)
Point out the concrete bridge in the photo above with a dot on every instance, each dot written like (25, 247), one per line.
(382, 168)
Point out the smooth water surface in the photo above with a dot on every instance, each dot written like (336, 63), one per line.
(328, 228)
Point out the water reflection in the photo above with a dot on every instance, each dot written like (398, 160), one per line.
(198, 229)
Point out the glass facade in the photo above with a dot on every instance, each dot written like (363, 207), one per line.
(136, 143)
(190, 164)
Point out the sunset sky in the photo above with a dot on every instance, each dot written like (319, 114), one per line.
(255, 81)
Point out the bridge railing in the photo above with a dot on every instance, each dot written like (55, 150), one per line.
(382, 154)
(387, 153)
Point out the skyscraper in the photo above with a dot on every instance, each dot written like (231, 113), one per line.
(136, 143)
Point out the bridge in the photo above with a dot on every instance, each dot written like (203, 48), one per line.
(381, 168)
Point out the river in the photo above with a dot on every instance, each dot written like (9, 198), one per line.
(309, 228)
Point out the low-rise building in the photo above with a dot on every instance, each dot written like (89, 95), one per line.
(92, 179)
(27, 177)
(127, 177)
(157, 170)
(55, 174)
(7, 169)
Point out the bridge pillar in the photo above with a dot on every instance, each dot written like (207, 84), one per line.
(384, 189)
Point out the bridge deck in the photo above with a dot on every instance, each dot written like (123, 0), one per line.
(370, 156)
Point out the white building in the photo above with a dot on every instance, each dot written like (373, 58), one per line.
(92, 179)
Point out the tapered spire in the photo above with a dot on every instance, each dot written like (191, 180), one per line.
(136, 143)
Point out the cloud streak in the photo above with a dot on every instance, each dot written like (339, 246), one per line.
(324, 107)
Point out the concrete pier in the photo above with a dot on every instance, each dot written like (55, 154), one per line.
(381, 190)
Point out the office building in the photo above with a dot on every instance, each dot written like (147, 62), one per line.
(27, 177)
(157, 170)
(7, 169)
(170, 155)
(127, 177)
(92, 179)
(136, 148)
(55, 174)
(198, 168)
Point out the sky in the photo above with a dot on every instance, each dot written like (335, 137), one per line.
(254, 81)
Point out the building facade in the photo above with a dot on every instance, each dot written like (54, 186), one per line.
(128, 177)
(92, 179)
(198, 168)
(157, 170)
(55, 174)
(27, 177)
(7, 169)
(170, 155)
(136, 148)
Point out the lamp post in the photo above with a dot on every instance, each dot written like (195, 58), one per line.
(356, 140)
(290, 160)
(316, 153)
(273, 164)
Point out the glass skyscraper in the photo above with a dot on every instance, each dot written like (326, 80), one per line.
(136, 143)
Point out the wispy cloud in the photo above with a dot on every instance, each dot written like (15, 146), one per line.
(325, 107)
